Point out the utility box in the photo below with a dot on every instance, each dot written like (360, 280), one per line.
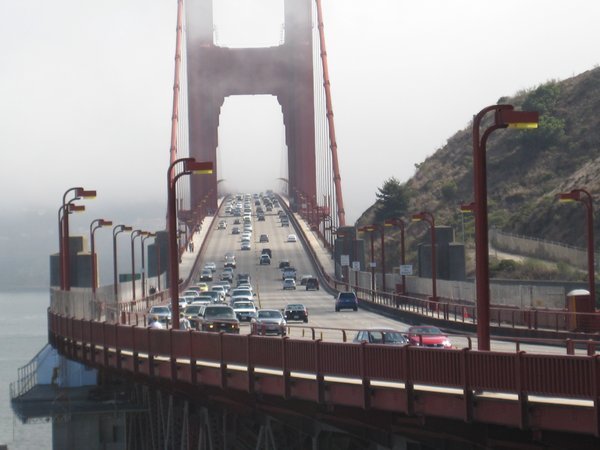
(580, 301)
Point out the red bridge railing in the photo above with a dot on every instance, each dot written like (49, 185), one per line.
(305, 370)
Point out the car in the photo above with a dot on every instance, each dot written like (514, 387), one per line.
(202, 286)
(225, 283)
(222, 225)
(217, 318)
(220, 289)
(312, 284)
(304, 279)
(245, 310)
(245, 246)
(211, 265)
(268, 321)
(260, 217)
(284, 263)
(226, 276)
(214, 295)
(230, 261)
(237, 222)
(292, 238)
(235, 230)
(289, 283)
(161, 313)
(201, 300)
(267, 251)
(242, 291)
(206, 275)
(243, 278)
(428, 336)
(264, 259)
(346, 300)
(381, 336)
(285, 223)
(192, 310)
(263, 238)
(288, 272)
(296, 311)
(191, 292)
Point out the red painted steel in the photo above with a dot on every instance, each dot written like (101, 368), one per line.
(329, 104)
(517, 373)
(285, 71)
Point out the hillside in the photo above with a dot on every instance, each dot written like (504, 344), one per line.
(526, 168)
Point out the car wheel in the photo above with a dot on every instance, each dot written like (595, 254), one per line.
(355, 308)
(306, 320)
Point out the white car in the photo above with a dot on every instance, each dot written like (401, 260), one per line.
(292, 238)
(244, 309)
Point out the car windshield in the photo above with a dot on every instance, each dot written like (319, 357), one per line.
(425, 330)
(193, 309)
(347, 296)
(393, 336)
(295, 307)
(224, 313)
(269, 314)
(240, 305)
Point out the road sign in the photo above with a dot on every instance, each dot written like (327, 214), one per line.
(372, 264)
(406, 269)
(345, 260)
(356, 266)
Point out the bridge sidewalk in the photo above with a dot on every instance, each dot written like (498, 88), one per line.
(189, 256)
(323, 254)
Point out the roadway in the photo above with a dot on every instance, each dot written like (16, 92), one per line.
(267, 282)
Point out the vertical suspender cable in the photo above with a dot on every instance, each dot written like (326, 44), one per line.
(334, 157)
(175, 115)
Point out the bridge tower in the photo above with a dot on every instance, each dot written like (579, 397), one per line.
(285, 71)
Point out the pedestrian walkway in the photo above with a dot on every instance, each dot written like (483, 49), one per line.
(188, 259)
(323, 254)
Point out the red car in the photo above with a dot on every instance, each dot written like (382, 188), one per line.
(428, 336)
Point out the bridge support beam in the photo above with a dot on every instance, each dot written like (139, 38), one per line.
(285, 71)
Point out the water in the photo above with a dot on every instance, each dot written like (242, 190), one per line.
(23, 332)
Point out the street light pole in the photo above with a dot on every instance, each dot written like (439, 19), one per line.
(94, 225)
(148, 235)
(399, 223)
(65, 257)
(583, 196)
(190, 165)
(428, 217)
(134, 234)
(370, 229)
(116, 230)
(505, 116)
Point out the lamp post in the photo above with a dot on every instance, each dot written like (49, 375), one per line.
(504, 117)
(148, 235)
(396, 222)
(63, 210)
(190, 165)
(116, 230)
(94, 225)
(428, 217)
(380, 228)
(583, 196)
(134, 234)
(79, 193)
(370, 229)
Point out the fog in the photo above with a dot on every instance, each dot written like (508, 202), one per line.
(86, 96)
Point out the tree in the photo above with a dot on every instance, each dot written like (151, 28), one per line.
(392, 200)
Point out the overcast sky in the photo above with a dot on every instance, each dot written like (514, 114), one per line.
(85, 87)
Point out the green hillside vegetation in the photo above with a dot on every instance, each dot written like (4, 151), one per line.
(525, 170)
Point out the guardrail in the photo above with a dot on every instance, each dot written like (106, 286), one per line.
(305, 370)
